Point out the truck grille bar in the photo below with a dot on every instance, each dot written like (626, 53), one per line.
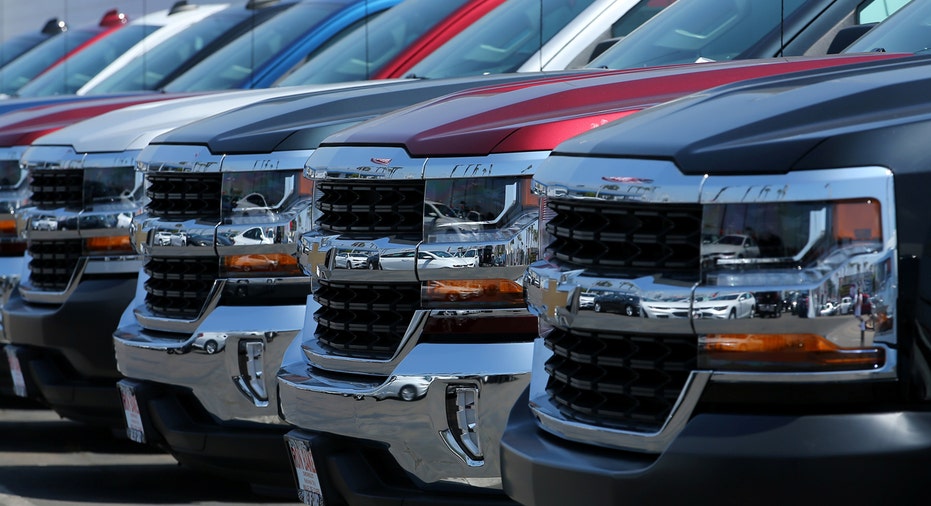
(57, 188)
(366, 320)
(639, 239)
(622, 381)
(179, 287)
(372, 208)
(53, 263)
(184, 196)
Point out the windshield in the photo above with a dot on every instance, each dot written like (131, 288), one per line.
(501, 41)
(396, 29)
(10, 49)
(906, 31)
(19, 72)
(71, 74)
(694, 31)
(231, 65)
(150, 71)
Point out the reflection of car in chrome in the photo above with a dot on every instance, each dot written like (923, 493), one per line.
(254, 262)
(424, 260)
(728, 305)
(732, 246)
(623, 303)
(254, 235)
(355, 260)
(439, 218)
(829, 308)
(405, 389)
(454, 292)
(209, 344)
(45, 223)
(674, 308)
(169, 239)
(768, 304)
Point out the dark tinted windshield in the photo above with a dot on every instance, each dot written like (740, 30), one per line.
(12, 48)
(698, 30)
(235, 62)
(19, 72)
(367, 49)
(150, 71)
(70, 75)
(501, 41)
(906, 31)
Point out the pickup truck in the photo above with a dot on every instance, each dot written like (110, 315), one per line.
(801, 409)
(427, 360)
(220, 293)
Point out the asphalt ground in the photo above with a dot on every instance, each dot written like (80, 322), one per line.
(49, 461)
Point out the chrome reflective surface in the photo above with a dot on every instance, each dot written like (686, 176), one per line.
(226, 354)
(799, 251)
(110, 194)
(423, 246)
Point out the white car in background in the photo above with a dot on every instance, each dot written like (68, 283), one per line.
(725, 306)
(407, 260)
(731, 246)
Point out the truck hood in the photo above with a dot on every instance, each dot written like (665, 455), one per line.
(23, 126)
(301, 121)
(530, 118)
(133, 127)
(856, 115)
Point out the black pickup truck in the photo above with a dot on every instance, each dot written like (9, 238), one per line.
(682, 406)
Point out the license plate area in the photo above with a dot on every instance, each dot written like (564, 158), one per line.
(134, 428)
(305, 470)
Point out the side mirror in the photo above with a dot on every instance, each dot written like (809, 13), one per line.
(845, 36)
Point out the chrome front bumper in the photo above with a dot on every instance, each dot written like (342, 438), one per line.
(463, 393)
(228, 362)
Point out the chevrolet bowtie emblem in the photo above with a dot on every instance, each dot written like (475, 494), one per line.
(553, 299)
(315, 258)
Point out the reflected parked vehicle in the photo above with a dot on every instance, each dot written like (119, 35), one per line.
(768, 304)
(13, 47)
(411, 259)
(731, 246)
(623, 303)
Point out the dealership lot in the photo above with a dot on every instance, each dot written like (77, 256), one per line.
(48, 461)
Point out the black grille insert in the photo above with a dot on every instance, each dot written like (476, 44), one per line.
(178, 287)
(621, 381)
(364, 320)
(53, 263)
(637, 238)
(370, 208)
(184, 196)
(57, 188)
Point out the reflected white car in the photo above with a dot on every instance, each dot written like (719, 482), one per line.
(731, 246)
(726, 306)
(408, 260)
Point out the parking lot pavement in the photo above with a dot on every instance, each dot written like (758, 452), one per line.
(48, 461)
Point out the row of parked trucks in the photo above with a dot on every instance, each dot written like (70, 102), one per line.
(186, 278)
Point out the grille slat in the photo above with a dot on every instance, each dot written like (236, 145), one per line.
(630, 383)
(57, 188)
(179, 287)
(371, 208)
(53, 263)
(184, 196)
(637, 238)
(364, 319)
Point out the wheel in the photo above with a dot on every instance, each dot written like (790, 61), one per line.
(211, 347)
(733, 314)
(597, 307)
(629, 310)
(452, 297)
(407, 393)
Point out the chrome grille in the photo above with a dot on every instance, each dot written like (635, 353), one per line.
(56, 188)
(364, 319)
(53, 263)
(363, 207)
(178, 287)
(620, 381)
(184, 196)
(636, 238)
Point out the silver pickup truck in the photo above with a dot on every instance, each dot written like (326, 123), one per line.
(221, 294)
